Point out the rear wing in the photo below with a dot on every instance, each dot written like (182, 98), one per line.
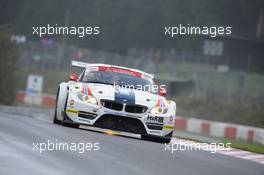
(77, 67)
(79, 64)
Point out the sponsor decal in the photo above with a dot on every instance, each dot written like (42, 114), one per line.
(72, 111)
(71, 102)
(168, 127)
(120, 70)
(155, 119)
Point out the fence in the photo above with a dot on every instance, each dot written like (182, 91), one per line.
(210, 80)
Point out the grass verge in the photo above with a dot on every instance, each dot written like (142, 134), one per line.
(252, 147)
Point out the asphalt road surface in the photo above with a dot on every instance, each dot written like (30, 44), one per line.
(117, 155)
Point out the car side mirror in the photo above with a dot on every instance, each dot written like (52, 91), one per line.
(74, 77)
(162, 92)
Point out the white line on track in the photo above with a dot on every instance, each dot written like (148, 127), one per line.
(259, 158)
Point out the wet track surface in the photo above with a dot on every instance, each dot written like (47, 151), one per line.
(117, 155)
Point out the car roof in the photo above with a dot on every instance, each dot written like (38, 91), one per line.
(87, 65)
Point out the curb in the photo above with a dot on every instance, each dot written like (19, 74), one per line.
(220, 130)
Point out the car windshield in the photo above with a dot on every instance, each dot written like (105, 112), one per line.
(118, 79)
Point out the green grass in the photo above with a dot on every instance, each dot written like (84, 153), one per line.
(240, 112)
(218, 96)
(252, 147)
(228, 82)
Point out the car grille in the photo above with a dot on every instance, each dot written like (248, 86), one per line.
(87, 115)
(154, 126)
(112, 105)
(135, 109)
(119, 107)
(121, 123)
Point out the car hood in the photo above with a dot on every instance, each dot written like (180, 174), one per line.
(122, 94)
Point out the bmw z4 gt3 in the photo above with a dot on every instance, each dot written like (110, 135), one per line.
(116, 98)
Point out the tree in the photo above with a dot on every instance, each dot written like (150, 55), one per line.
(8, 57)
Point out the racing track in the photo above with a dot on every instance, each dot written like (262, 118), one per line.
(117, 155)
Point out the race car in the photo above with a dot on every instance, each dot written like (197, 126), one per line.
(116, 98)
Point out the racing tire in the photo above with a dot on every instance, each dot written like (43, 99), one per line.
(63, 123)
(55, 120)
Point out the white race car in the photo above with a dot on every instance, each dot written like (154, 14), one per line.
(116, 98)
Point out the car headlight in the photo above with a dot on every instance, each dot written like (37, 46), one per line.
(158, 110)
(87, 98)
